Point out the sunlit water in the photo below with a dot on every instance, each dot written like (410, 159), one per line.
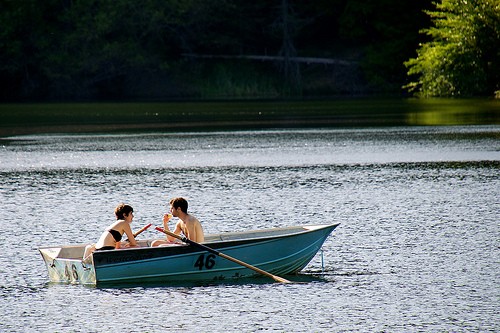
(417, 249)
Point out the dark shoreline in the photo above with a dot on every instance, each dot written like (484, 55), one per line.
(190, 126)
(26, 119)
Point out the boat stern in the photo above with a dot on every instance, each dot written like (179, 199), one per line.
(65, 265)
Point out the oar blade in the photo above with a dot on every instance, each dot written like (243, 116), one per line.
(280, 279)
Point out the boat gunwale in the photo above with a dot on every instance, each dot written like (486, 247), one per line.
(217, 243)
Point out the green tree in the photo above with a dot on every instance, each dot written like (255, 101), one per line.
(104, 42)
(100, 49)
(25, 32)
(93, 48)
(463, 56)
(387, 33)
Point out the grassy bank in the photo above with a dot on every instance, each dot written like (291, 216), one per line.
(19, 119)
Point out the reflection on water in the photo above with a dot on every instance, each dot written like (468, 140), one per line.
(19, 119)
(452, 111)
(242, 282)
(416, 250)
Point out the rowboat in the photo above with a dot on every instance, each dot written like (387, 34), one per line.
(277, 251)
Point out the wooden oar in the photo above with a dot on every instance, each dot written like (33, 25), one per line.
(141, 230)
(225, 256)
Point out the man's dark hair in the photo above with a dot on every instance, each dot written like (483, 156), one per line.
(179, 203)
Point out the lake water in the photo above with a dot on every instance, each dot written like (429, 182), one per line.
(417, 249)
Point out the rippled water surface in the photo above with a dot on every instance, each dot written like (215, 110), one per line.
(417, 249)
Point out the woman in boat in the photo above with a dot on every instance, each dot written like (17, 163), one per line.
(188, 224)
(110, 239)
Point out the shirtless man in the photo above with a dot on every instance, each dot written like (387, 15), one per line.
(188, 224)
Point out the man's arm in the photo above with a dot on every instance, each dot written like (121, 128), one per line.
(176, 231)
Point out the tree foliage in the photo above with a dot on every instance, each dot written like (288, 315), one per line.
(384, 27)
(107, 49)
(463, 56)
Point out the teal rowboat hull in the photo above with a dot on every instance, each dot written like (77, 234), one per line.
(279, 251)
